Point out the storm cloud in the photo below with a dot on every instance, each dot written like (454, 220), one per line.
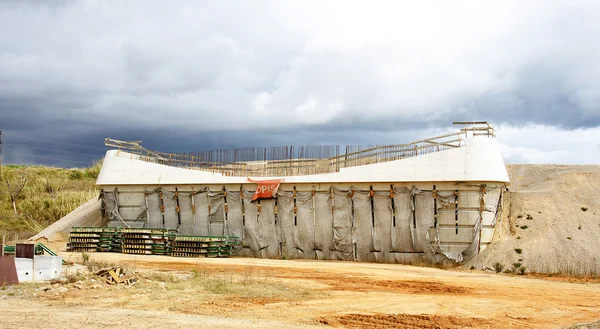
(192, 75)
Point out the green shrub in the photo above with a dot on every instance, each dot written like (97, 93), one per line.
(518, 250)
(498, 267)
(76, 174)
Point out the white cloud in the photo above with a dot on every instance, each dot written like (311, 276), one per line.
(543, 144)
(367, 66)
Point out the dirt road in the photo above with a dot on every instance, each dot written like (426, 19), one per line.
(308, 294)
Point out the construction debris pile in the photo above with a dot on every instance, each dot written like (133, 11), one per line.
(117, 275)
(149, 242)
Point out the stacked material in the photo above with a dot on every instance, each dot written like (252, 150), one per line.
(137, 241)
(151, 241)
(116, 241)
(205, 246)
(107, 239)
(147, 241)
(161, 241)
(84, 239)
(90, 239)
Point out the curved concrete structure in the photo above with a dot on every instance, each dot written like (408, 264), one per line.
(479, 160)
(425, 208)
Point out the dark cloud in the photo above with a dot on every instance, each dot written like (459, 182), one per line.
(223, 75)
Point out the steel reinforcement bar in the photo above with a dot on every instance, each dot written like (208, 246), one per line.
(301, 160)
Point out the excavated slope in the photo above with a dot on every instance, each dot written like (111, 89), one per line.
(551, 215)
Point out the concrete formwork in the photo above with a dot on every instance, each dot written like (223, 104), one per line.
(398, 224)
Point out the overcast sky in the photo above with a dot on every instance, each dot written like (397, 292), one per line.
(193, 75)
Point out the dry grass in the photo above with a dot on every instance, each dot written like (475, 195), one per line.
(250, 283)
(48, 195)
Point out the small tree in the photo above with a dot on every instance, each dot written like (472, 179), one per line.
(15, 187)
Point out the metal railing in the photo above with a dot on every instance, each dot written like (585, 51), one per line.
(301, 160)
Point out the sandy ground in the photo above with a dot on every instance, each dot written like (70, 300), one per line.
(339, 294)
(551, 216)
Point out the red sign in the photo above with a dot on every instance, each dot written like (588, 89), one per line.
(266, 189)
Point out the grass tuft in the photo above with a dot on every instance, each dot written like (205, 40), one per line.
(498, 267)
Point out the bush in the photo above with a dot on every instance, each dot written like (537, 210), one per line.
(94, 170)
(584, 208)
(522, 270)
(498, 267)
(524, 227)
(518, 250)
(76, 174)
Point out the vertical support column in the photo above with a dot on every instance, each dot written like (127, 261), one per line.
(243, 207)
(260, 237)
(147, 209)
(295, 210)
(177, 209)
(435, 209)
(393, 205)
(314, 222)
(193, 207)
(351, 196)
(456, 210)
(481, 209)
(162, 207)
(414, 210)
(225, 209)
(332, 196)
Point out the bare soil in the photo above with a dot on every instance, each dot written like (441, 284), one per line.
(298, 294)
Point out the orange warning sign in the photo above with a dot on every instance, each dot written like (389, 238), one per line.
(266, 189)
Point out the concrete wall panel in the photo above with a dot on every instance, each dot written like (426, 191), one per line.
(201, 205)
(402, 235)
(304, 229)
(324, 226)
(185, 213)
(342, 226)
(171, 216)
(269, 235)
(131, 198)
(155, 218)
(362, 233)
(469, 199)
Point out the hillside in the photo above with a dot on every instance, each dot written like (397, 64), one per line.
(550, 222)
(48, 195)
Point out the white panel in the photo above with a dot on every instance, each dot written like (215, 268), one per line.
(131, 199)
(131, 213)
(486, 235)
(488, 218)
(469, 199)
(47, 267)
(448, 234)
(24, 269)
